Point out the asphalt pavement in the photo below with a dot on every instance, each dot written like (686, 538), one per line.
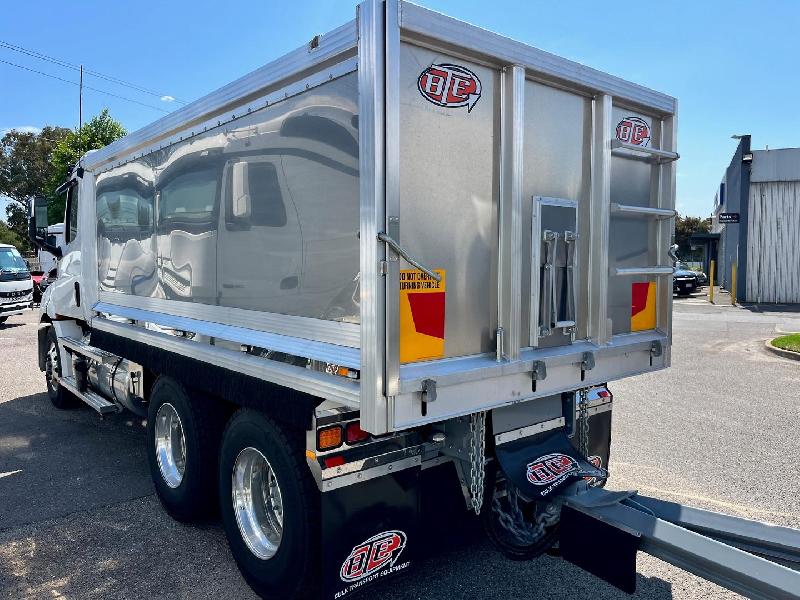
(79, 519)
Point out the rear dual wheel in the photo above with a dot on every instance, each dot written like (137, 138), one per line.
(270, 506)
(183, 443)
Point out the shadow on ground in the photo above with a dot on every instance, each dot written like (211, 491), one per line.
(78, 519)
(60, 461)
(771, 308)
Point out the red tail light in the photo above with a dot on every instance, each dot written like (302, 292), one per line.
(333, 461)
(354, 434)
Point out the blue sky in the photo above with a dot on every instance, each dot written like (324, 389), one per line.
(731, 64)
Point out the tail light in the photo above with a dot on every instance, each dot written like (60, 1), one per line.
(354, 434)
(329, 438)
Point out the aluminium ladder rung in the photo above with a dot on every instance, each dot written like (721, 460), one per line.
(645, 211)
(655, 155)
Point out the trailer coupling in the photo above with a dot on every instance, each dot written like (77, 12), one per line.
(601, 532)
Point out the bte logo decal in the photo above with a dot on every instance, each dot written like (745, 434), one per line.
(448, 85)
(371, 556)
(551, 467)
(633, 130)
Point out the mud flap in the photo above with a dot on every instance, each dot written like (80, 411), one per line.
(370, 531)
(603, 550)
(539, 466)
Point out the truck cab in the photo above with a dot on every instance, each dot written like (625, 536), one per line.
(16, 285)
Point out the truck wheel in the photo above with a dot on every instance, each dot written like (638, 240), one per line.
(270, 507)
(59, 397)
(183, 437)
(509, 526)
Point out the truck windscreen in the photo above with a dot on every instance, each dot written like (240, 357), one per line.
(10, 260)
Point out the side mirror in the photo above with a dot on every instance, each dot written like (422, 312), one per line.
(240, 202)
(37, 228)
(40, 214)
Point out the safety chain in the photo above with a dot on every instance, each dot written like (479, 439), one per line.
(477, 454)
(514, 521)
(583, 422)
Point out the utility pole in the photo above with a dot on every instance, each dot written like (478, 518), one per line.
(80, 114)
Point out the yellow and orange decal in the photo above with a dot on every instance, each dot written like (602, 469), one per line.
(422, 307)
(643, 306)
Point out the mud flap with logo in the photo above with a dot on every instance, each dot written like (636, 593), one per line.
(541, 465)
(369, 532)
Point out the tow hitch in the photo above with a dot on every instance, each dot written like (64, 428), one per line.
(601, 531)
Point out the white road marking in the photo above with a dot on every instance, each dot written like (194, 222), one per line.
(10, 473)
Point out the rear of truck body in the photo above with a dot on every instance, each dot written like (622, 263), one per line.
(400, 262)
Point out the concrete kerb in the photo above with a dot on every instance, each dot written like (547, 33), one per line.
(780, 351)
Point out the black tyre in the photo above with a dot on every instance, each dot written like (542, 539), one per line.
(509, 526)
(273, 533)
(183, 437)
(59, 397)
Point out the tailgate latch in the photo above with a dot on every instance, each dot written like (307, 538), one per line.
(428, 390)
(587, 363)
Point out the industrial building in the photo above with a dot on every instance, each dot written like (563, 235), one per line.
(757, 216)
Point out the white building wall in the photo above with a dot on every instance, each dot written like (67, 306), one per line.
(773, 242)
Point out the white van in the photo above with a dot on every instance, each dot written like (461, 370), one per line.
(16, 285)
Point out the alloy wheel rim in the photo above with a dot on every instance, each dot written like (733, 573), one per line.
(51, 367)
(170, 445)
(257, 503)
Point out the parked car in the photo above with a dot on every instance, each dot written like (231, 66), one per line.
(684, 281)
(37, 277)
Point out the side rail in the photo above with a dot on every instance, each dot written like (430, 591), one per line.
(751, 558)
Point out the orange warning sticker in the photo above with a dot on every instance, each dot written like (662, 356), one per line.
(643, 306)
(422, 304)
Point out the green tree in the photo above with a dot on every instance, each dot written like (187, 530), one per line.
(7, 236)
(26, 168)
(99, 132)
(684, 228)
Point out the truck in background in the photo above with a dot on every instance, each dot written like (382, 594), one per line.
(16, 285)
(395, 266)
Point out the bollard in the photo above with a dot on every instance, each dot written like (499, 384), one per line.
(711, 282)
(733, 284)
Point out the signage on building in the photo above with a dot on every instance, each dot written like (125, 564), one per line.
(728, 217)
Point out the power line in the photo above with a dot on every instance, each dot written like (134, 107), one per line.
(68, 65)
(85, 86)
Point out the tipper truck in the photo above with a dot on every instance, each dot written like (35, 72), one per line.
(392, 269)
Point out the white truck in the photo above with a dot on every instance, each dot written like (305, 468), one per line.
(47, 260)
(16, 284)
(395, 266)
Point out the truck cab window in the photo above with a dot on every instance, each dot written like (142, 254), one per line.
(189, 198)
(267, 206)
(72, 216)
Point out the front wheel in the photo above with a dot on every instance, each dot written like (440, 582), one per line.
(59, 397)
(270, 507)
